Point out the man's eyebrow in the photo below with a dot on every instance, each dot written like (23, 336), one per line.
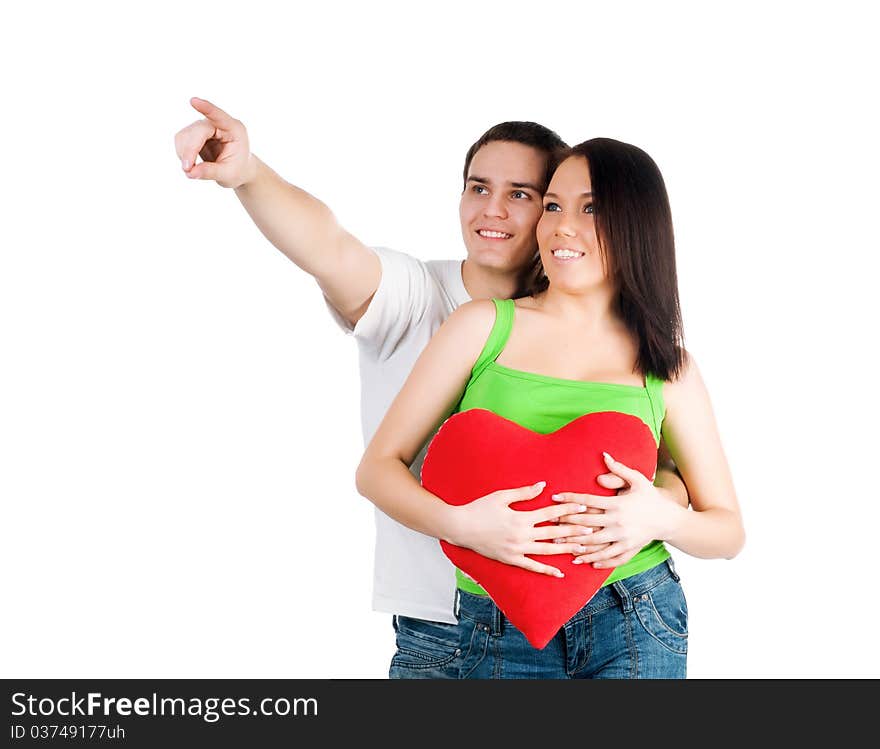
(554, 195)
(527, 185)
(517, 185)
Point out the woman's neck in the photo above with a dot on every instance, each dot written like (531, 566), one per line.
(591, 310)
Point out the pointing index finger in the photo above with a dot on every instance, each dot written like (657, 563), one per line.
(216, 115)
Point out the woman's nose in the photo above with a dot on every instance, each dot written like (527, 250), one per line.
(564, 228)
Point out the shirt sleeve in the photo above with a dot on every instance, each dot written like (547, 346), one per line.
(400, 302)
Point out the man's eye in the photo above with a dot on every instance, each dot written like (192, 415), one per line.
(480, 189)
(554, 207)
(519, 194)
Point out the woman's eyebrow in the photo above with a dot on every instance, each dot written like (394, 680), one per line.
(554, 195)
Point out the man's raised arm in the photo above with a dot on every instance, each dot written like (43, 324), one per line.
(297, 223)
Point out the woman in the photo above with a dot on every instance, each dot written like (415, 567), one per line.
(601, 331)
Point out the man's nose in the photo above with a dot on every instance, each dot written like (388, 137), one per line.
(495, 207)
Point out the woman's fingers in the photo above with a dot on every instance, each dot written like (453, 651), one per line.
(603, 557)
(552, 532)
(630, 475)
(509, 496)
(542, 548)
(610, 481)
(530, 564)
(581, 539)
(589, 500)
(555, 511)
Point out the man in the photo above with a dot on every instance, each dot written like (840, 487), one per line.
(392, 304)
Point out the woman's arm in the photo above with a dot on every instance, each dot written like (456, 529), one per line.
(715, 528)
(641, 513)
(434, 386)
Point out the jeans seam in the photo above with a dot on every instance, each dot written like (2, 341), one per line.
(663, 623)
(427, 665)
(633, 648)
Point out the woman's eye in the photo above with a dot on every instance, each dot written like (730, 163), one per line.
(588, 208)
(519, 194)
(554, 207)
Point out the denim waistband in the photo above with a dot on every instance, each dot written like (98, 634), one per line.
(483, 611)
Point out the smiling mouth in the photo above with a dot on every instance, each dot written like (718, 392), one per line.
(566, 254)
(488, 234)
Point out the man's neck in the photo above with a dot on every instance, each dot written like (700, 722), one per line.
(486, 283)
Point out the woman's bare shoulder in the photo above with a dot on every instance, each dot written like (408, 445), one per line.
(688, 383)
(475, 314)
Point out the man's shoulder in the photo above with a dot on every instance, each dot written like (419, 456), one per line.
(408, 258)
(441, 273)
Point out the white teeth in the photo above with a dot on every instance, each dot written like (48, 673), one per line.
(493, 234)
(566, 253)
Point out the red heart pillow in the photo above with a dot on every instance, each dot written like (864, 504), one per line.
(477, 452)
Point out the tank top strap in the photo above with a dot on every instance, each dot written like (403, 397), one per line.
(654, 389)
(497, 340)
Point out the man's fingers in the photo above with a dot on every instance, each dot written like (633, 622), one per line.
(189, 141)
(204, 170)
(216, 115)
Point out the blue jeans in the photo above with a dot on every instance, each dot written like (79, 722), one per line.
(636, 628)
(426, 649)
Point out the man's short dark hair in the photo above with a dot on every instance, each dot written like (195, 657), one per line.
(529, 134)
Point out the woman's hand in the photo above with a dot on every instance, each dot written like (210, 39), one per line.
(621, 525)
(490, 527)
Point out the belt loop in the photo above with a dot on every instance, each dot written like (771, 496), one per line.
(456, 605)
(624, 595)
(671, 565)
(497, 619)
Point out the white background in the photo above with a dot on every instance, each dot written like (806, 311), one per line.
(179, 417)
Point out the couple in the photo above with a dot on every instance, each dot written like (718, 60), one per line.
(595, 326)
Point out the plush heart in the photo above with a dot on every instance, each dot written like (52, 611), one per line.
(477, 452)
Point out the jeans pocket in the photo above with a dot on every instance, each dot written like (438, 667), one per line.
(431, 650)
(662, 612)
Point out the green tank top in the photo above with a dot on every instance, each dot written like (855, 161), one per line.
(545, 404)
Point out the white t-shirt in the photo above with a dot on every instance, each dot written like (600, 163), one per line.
(412, 576)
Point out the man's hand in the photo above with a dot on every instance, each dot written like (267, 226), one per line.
(221, 141)
(623, 524)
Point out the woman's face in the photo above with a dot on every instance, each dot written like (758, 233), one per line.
(567, 230)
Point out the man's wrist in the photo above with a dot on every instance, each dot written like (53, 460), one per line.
(250, 173)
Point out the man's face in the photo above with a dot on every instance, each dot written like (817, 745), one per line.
(501, 205)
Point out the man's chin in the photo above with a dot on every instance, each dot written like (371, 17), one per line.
(494, 260)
